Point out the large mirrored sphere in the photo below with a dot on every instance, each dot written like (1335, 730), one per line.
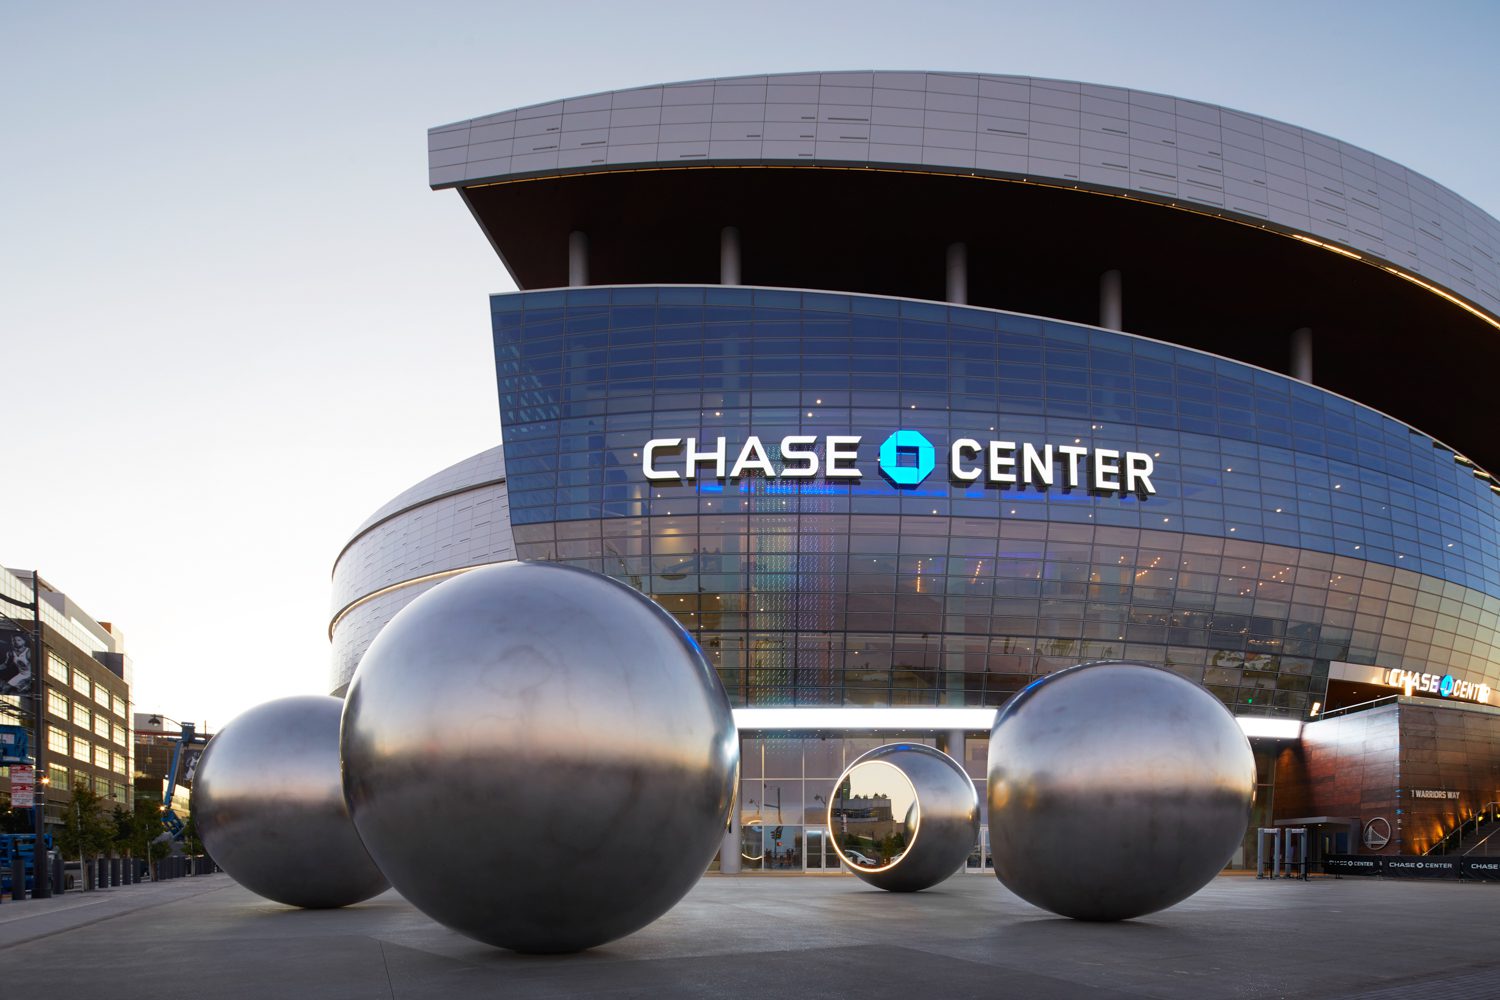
(1115, 789)
(904, 816)
(269, 805)
(539, 757)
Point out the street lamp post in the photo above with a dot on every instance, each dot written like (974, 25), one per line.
(40, 885)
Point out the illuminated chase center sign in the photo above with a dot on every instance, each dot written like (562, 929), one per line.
(906, 459)
(1443, 685)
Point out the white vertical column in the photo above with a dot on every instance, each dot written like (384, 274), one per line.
(578, 259)
(958, 273)
(1111, 301)
(730, 859)
(729, 255)
(1302, 354)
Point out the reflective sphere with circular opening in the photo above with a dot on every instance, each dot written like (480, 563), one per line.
(1115, 789)
(269, 805)
(904, 816)
(539, 757)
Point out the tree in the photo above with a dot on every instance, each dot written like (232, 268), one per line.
(190, 842)
(17, 820)
(124, 839)
(145, 828)
(86, 831)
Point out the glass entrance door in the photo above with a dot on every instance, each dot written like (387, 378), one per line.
(817, 852)
(980, 860)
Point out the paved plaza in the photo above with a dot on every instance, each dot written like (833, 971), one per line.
(828, 936)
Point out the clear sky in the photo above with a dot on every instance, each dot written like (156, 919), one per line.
(234, 320)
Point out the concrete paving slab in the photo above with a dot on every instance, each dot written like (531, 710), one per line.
(778, 937)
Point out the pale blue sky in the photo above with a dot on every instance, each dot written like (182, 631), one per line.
(234, 321)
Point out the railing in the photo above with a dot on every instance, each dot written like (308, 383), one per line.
(1453, 840)
(1493, 807)
(1356, 708)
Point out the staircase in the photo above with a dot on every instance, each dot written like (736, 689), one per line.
(1477, 836)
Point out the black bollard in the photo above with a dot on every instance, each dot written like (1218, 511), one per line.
(59, 876)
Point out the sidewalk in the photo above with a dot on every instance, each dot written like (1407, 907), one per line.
(39, 918)
(766, 938)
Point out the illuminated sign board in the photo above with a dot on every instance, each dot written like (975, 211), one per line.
(1411, 682)
(1443, 685)
(906, 458)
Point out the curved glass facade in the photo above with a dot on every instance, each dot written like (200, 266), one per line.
(1288, 528)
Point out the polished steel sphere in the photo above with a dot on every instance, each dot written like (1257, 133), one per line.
(1115, 789)
(904, 816)
(539, 757)
(269, 805)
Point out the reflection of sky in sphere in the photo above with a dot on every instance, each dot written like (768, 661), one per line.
(876, 779)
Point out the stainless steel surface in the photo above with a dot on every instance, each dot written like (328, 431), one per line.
(1115, 789)
(1260, 170)
(938, 832)
(269, 806)
(539, 757)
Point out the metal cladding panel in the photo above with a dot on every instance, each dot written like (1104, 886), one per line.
(1161, 148)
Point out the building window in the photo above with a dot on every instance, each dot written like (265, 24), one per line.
(57, 740)
(119, 706)
(80, 778)
(57, 773)
(101, 727)
(57, 705)
(119, 760)
(56, 668)
(80, 715)
(82, 750)
(119, 734)
(101, 756)
(120, 793)
(81, 682)
(101, 695)
(101, 785)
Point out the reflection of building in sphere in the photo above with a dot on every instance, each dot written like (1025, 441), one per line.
(874, 814)
(269, 805)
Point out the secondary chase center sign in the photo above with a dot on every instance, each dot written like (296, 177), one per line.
(906, 459)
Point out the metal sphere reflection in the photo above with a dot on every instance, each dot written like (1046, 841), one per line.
(566, 736)
(1115, 789)
(935, 830)
(269, 805)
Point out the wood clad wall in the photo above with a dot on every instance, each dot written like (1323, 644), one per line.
(1445, 747)
(1371, 763)
(1344, 766)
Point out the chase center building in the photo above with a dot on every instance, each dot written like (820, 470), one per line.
(901, 390)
